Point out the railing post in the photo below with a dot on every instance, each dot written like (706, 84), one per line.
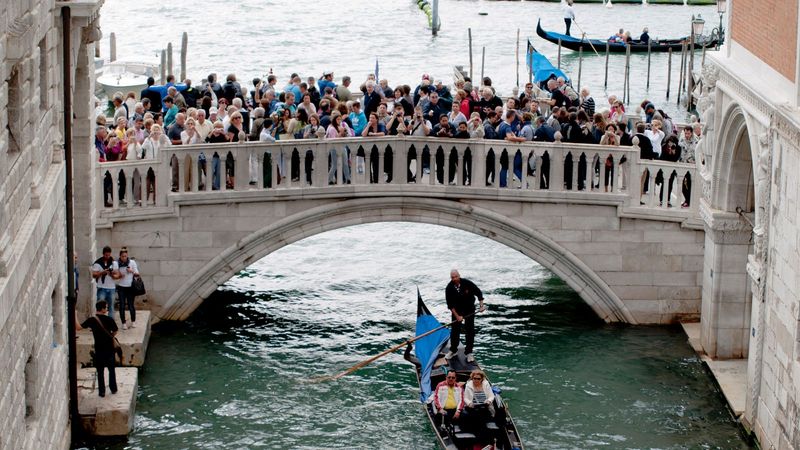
(556, 181)
(381, 163)
(478, 173)
(400, 162)
(241, 166)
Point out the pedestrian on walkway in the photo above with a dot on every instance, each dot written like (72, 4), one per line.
(128, 269)
(103, 329)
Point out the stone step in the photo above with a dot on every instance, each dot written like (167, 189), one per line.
(134, 342)
(113, 414)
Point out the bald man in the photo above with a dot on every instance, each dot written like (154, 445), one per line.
(460, 294)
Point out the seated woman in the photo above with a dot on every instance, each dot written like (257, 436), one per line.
(478, 404)
(448, 399)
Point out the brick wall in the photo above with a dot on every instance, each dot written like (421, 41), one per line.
(768, 29)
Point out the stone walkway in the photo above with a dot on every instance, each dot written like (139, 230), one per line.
(112, 415)
(730, 375)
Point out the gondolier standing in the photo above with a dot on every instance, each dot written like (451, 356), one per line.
(460, 294)
(569, 13)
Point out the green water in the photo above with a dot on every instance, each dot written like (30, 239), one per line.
(235, 375)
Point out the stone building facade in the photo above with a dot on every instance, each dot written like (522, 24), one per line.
(751, 278)
(33, 322)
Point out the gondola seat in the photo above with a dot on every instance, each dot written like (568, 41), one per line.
(491, 426)
(461, 437)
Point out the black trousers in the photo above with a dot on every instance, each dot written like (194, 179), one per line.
(469, 334)
(100, 363)
(569, 24)
(126, 299)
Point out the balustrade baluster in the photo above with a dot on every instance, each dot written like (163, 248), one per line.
(381, 162)
(497, 155)
(241, 164)
(400, 162)
(195, 166)
(478, 172)
(526, 156)
(114, 189)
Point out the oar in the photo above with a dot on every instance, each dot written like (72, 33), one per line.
(368, 361)
(584, 37)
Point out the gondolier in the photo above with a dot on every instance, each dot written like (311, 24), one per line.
(569, 13)
(460, 294)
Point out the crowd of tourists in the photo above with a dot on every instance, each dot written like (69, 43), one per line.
(181, 114)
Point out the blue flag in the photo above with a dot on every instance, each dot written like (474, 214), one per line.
(427, 348)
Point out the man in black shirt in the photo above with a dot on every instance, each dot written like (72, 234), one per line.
(103, 329)
(460, 294)
(153, 95)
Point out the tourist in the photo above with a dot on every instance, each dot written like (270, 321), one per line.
(397, 123)
(656, 137)
(617, 112)
(610, 136)
(120, 111)
(343, 90)
(544, 132)
(443, 128)
(399, 99)
(133, 150)
(128, 270)
(475, 126)
(339, 129)
(371, 98)
(306, 105)
(174, 131)
(202, 125)
(488, 101)
(177, 97)
(420, 126)
(456, 117)
(103, 329)
(478, 404)
(313, 130)
(154, 142)
(100, 140)
(152, 95)
(460, 294)
(506, 128)
(374, 127)
(358, 119)
(688, 144)
(105, 271)
(448, 399)
(235, 131)
(569, 14)
(171, 111)
(645, 37)
(190, 135)
(586, 101)
(461, 131)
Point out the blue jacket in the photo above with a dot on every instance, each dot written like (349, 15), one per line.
(323, 83)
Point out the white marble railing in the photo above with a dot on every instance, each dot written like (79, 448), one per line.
(478, 165)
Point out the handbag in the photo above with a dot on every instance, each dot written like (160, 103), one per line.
(137, 286)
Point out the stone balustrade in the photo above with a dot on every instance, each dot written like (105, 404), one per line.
(564, 172)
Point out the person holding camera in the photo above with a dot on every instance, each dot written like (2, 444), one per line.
(105, 271)
(128, 269)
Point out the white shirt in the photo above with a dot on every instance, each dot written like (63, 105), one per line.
(127, 277)
(569, 12)
(105, 281)
(655, 137)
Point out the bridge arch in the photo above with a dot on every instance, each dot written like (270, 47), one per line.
(592, 289)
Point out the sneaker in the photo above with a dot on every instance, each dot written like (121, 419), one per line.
(124, 326)
(132, 325)
(449, 355)
(470, 358)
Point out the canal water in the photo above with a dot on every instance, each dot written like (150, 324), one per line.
(248, 37)
(236, 374)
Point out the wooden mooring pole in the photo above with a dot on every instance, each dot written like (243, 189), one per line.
(163, 66)
(559, 54)
(627, 86)
(483, 60)
(580, 67)
(682, 72)
(112, 41)
(669, 71)
(169, 59)
(648, 64)
(605, 83)
(518, 56)
(184, 49)
(469, 34)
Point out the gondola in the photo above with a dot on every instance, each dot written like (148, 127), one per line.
(663, 45)
(431, 367)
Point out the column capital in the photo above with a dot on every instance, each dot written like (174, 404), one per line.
(725, 227)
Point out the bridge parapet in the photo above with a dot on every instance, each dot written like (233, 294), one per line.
(551, 172)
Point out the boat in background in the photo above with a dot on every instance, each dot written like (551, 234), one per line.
(541, 68)
(590, 45)
(125, 76)
(431, 369)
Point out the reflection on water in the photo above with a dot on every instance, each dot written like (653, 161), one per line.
(235, 375)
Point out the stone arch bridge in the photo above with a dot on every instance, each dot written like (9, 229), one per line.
(196, 215)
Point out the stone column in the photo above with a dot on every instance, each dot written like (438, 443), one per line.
(726, 307)
(84, 164)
